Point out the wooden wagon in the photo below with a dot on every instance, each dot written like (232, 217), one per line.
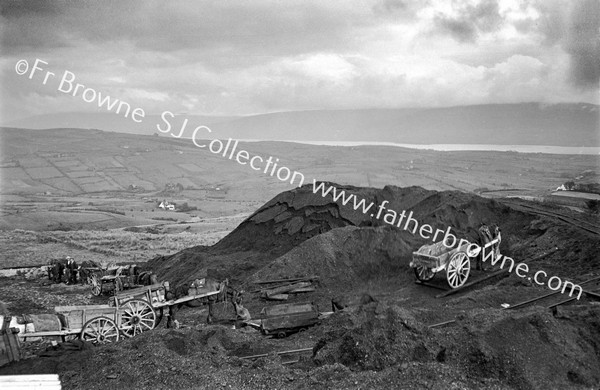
(113, 280)
(130, 312)
(140, 305)
(94, 323)
(434, 258)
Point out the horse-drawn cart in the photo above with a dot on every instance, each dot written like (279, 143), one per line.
(129, 313)
(142, 303)
(94, 323)
(112, 281)
(434, 258)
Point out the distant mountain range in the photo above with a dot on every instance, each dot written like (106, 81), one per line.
(568, 124)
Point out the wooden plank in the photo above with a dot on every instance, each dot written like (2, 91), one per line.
(61, 309)
(140, 290)
(5, 355)
(278, 353)
(287, 280)
(533, 300)
(26, 382)
(14, 351)
(302, 290)
(464, 286)
(50, 333)
(277, 297)
(442, 323)
(29, 378)
(284, 289)
(550, 294)
(187, 298)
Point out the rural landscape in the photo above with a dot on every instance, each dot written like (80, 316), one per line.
(96, 199)
(388, 194)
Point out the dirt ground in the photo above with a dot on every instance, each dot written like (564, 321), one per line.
(384, 338)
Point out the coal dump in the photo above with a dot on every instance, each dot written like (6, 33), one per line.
(296, 234)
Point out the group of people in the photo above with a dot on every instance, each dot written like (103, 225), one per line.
(64, 269)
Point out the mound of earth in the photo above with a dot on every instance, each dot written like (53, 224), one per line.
(531, 349)
(296, 234)
(342, 256)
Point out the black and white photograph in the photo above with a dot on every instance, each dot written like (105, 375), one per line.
(300, 194)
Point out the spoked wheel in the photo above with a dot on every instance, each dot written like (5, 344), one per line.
(423, 273)
(96, 286)
(100, 330)
(137, 316)
(457, 271)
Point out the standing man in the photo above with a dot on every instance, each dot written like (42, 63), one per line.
(72, 271)
(58, 271)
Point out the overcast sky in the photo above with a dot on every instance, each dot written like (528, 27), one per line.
(253, 56)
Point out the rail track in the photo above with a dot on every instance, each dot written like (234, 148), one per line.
(520, 205)
(594, 295)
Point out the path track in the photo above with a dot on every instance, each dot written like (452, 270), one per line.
(581, 224)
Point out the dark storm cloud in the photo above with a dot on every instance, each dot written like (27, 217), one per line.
(583, 43)
(221, 29)
(470, 21)
(18, 8)
(25, 24)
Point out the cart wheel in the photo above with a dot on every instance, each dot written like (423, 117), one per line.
(457, 271)
(281, 335)
(96, 286)
(100, 330)
(423, 273)
(137, 316)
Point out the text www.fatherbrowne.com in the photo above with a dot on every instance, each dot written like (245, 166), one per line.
(449, 240)
(269, 166)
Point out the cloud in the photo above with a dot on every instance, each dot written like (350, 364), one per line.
(240, 57)
(222, 30)
(469, 21)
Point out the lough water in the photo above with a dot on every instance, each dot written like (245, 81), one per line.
(591, 150)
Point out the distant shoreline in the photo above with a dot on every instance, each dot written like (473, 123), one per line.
(548, 149)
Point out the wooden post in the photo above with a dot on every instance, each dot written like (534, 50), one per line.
(9, 343)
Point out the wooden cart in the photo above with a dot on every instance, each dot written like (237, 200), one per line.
(431, 259)
(113, 281)
(434, 258)
(139, 305)
(130, 312)
(98, 324)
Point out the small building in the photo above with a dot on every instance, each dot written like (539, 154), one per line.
(167, 206)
